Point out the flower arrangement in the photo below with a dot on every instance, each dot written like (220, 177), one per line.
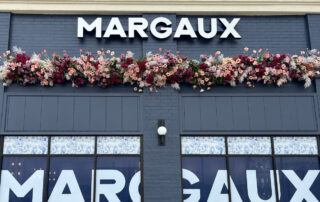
(158, 70)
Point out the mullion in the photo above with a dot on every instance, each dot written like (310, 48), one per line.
(141, 168)
(275, 176)
(228, 167)
(95, 169)
(1, 153)
(48, 169)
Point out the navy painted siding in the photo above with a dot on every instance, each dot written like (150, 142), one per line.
(290, 109)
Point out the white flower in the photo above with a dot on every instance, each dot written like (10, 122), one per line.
(307, 81)
(313, 51)
(241, 79)
(220, 58)
(3, 73)
(129, 54)
(281, 81)
(164, 61)
(232, 83)
(67, 76)
(35, 58)
(17, 50)
(293, 64)
(141, 84)
(175, 86)
(149, 54)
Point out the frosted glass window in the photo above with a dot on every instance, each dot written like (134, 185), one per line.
(249, 145)
(203, 145)
(295, 145)
(72, 145)
(25, 145)
(118, 145)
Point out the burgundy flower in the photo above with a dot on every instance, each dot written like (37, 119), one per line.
(142, 65)
(22, 58)
(115, 78)
(129, 61)
(172, 79)
(150, 79)
(203, 66)
(79, 82)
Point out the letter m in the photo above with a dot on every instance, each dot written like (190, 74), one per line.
(34, 183)
(82, 24)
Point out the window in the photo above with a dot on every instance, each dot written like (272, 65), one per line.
(259, 169)
(70, 168)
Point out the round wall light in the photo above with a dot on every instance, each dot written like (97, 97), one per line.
(162, 131)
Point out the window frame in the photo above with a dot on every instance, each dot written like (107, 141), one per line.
(227, 155)
(95, 155)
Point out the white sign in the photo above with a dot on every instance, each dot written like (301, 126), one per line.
(137, 26)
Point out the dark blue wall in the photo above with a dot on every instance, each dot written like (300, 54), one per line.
(290, 109)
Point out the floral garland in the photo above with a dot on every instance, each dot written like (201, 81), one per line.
(156, 70)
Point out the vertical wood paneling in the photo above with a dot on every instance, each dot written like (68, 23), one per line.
(15, 116)
(240, 113)
(65, 113)
(249, 113)
(97, 113)
(256, 113)
(114, 113)
(32, 109)
(77, 113)
(306, 113)
(224, 113)
(273, 113)
(192, 113)
(209, 117)
(81, 113)
(130, 113)
(49, 113)
(289, 113)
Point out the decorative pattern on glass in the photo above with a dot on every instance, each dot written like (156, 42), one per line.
(295, 145)
(118, 145)
(25, 145)
(203, 145)
(72, 145)
(249, 145)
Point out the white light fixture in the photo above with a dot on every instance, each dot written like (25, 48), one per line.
(162, 131)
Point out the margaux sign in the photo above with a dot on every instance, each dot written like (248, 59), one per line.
(160, 27)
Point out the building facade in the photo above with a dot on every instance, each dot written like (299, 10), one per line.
(62, 144)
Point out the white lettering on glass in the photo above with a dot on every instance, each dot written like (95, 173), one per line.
(34, 183)
(66, 178)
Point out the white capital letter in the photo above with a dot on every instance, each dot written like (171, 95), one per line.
(82, 24)
(167, 30)
(192, 179)
(220, 181)
(34, 183)
(230, 28)
(114, 23)
(184, 22)
(252, 186)
(139, 25)
(109, 190)
(213, 28)
(302, 186)
(134, 187)
(66, 178)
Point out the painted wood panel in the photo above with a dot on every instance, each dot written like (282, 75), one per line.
(72, 113)
(252, 113)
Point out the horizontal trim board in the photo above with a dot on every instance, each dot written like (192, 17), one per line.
(239, 7)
